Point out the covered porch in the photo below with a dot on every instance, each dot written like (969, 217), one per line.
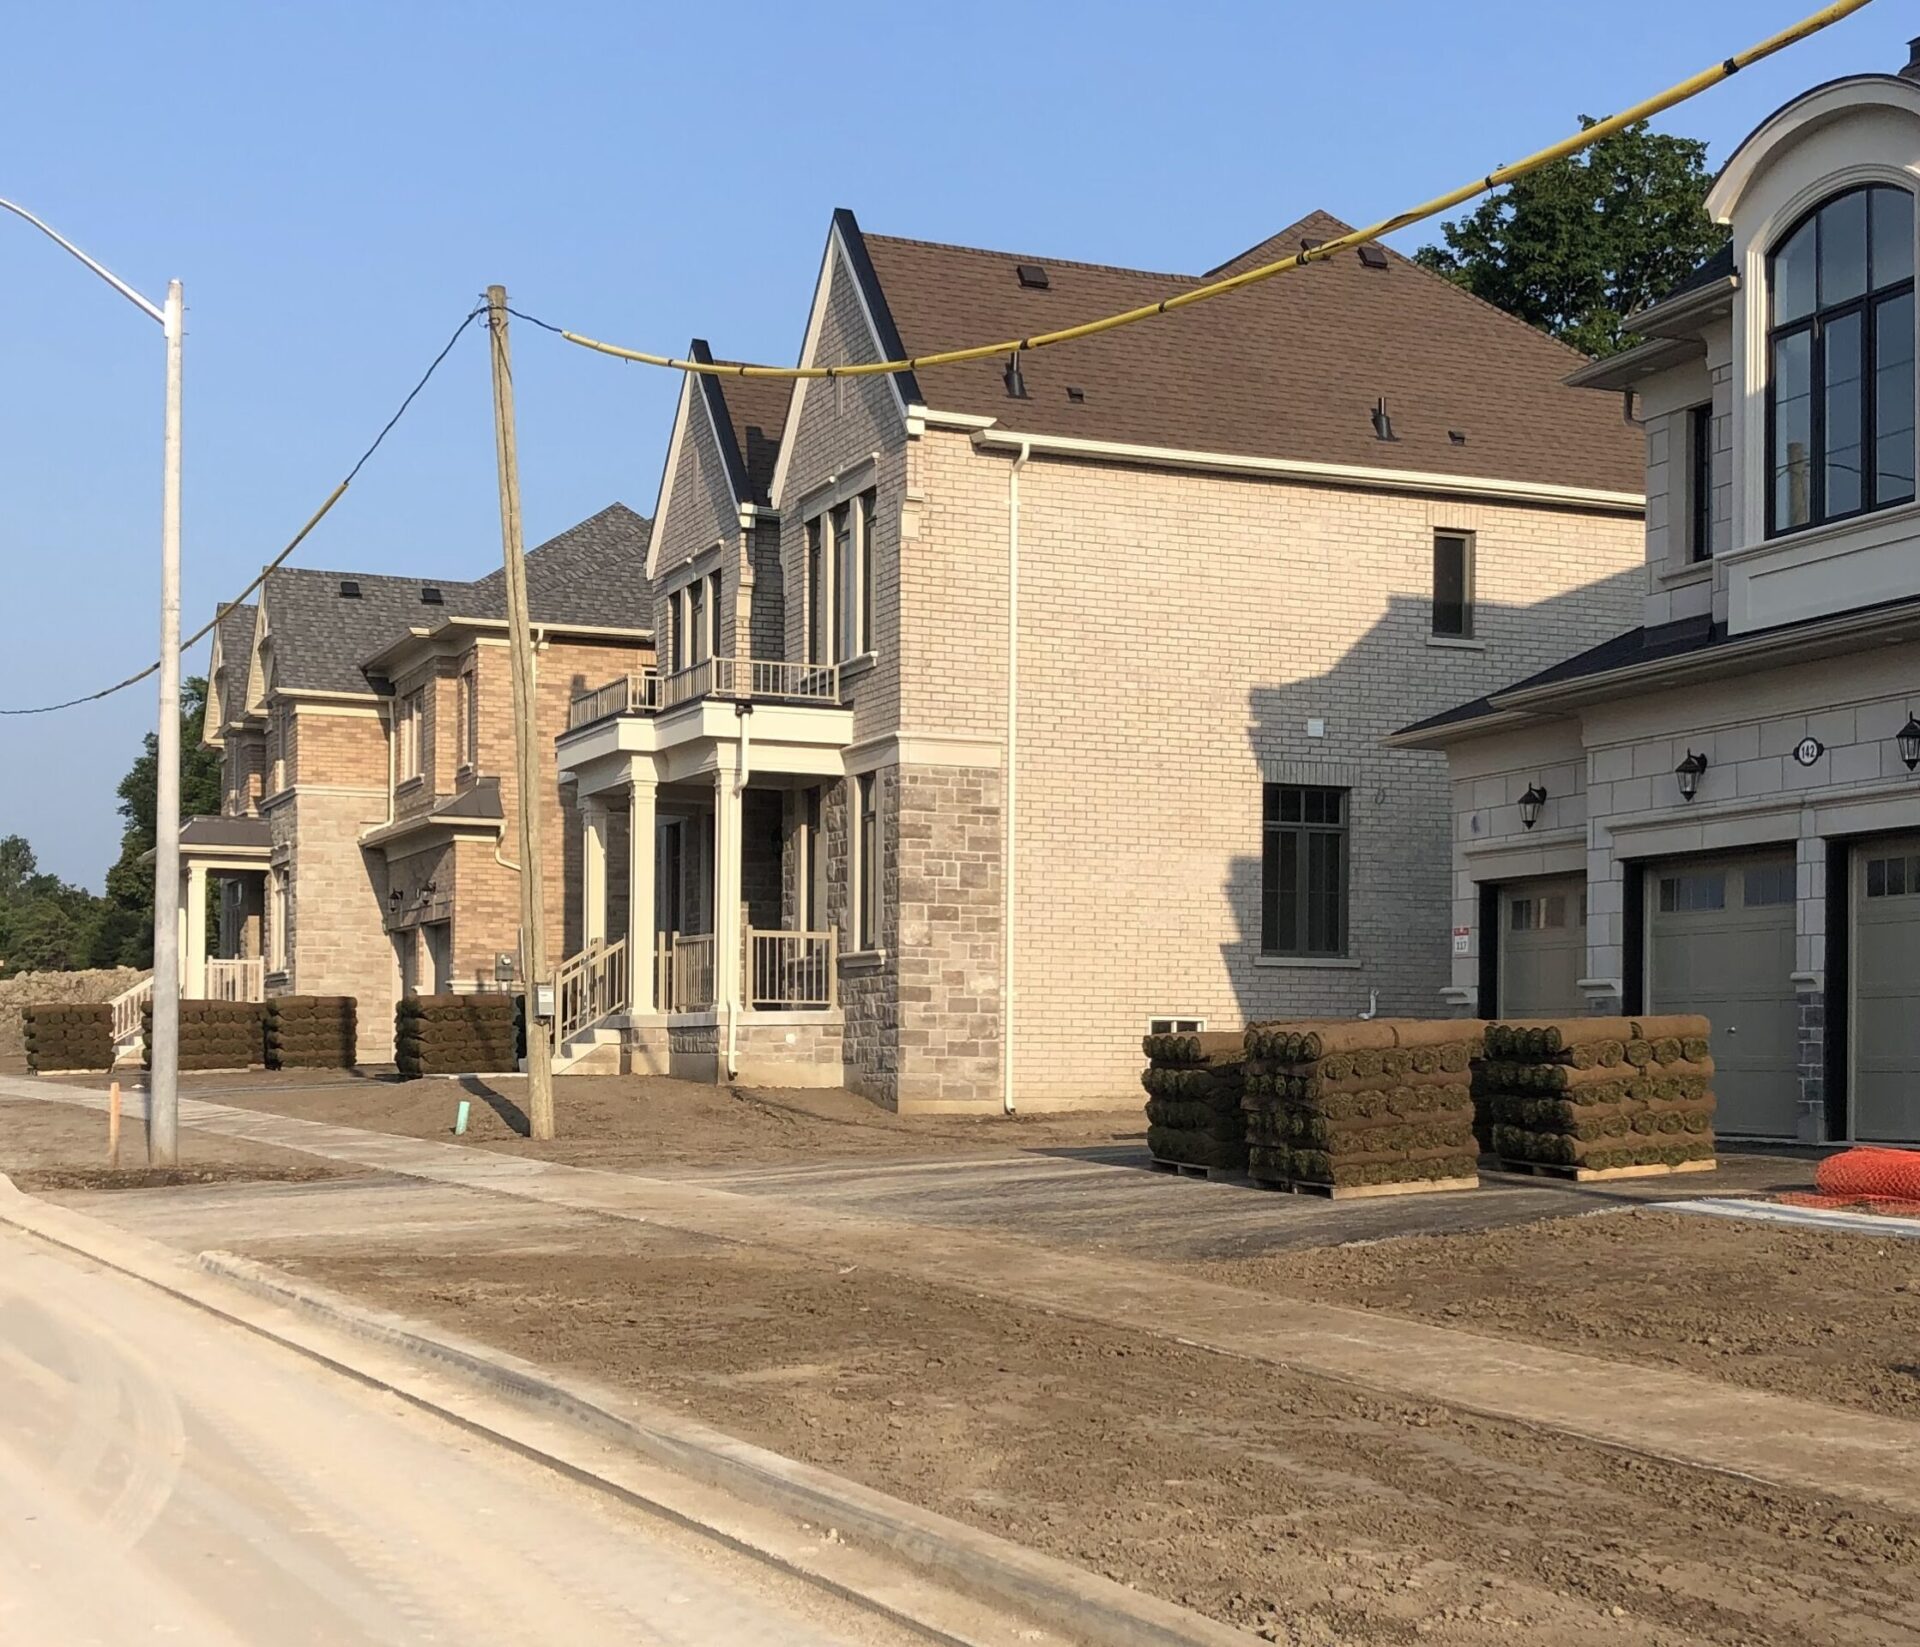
(706, 951)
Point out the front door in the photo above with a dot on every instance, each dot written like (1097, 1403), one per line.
(1886, 991)
(1543, 947)
(1721, 943)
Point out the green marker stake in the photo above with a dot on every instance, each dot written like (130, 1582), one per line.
(460, 1116)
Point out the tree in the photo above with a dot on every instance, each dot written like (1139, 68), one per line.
(1578, 246)
(125, 934)
(45, 924)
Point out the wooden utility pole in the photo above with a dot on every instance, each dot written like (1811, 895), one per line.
(535, 978)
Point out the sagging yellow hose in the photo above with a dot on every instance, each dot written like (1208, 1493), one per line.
(1691, 87)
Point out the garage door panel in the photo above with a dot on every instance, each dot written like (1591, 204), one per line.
(1886, 991)
(1721, 942)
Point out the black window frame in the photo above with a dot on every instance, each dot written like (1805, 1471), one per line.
(1465, 540)
(1700, 483)
(1815, 325)
(1302, 825)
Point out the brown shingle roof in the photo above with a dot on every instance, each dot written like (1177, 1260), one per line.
(757, 407)
(1290, 368)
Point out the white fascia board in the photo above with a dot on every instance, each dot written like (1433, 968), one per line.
(1320, 474)
(665, 500)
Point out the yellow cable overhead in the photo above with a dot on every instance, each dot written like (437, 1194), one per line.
(1691, 87)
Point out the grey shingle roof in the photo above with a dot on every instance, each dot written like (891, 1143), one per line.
(234, 631)
(593, 573)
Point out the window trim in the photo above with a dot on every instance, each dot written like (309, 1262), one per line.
(1814, 325)
(412, 752)
(1699, 426)
(469, 710)
(1468, 556)
(1296, 946)
(864, 914)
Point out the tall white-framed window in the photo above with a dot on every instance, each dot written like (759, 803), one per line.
(279, 918)
(469, 720)
(819, 584)
(695, 596)
(411, 713)
(866, 862)
(1453, 585)
(715, 630)
(860, 581)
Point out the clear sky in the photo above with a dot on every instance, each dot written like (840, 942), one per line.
(336, 182)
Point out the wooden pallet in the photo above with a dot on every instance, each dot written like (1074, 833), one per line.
(1592, 1175)
(1187, 1169)
(1363, 1192)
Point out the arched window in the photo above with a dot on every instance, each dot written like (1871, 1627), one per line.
(1840, 349)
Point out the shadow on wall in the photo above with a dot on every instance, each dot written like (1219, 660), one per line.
(1325, 732)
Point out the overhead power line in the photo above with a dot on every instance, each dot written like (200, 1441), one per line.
(1680, 93)
(294, 543)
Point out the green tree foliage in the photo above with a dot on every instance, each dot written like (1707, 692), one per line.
(45, 924)
(1578, 246)
(125, 935)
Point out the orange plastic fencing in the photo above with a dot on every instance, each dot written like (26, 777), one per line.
(1866, 1179)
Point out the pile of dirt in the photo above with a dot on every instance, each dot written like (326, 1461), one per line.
(67, 1035)
(1350, 1105)
(1599, 1093)
(455, 1034)
(102, 984)
(214, 1035)
(312, 1031)
(1194, 1085)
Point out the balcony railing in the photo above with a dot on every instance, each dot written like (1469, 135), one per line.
(790, 969)
(765, 680)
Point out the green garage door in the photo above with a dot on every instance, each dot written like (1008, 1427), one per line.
(1721, 942)
(1886, 992)
(1543, 947)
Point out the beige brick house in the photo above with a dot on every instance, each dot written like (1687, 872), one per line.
(367, 834)
(1007, 709)
(1717, 810)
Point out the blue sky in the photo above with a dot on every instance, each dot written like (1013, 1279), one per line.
(336, 182)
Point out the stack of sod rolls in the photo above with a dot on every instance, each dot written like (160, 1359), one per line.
(312, 1031)
(1600, 1094)
(455, 1035)
(68, 1035)
(1352, 1105)
(1193, 1087)
(215, 1034)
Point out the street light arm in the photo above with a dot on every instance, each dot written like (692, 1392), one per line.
(105, 274)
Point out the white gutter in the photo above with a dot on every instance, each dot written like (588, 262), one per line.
(1321, 474)
(1012, 779)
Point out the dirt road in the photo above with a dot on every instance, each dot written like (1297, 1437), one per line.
(163, 1474)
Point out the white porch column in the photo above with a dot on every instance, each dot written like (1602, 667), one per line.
(640, 893)
(593, 874)
(728, 934)
(193, 956)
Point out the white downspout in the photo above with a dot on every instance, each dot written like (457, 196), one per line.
(1011, 786)
(744, 712)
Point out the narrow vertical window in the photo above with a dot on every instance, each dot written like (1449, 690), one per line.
(816, 587)
(811, 868)
(1700, 483)
(1453, 585)
(841, 558)
(866, 929)
(1303, 871)
(869, 580)
(697, 619)
(716, 632)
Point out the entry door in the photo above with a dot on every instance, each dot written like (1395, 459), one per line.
(1543, 947)
(1721, 943)
(439, 936)
(1886, 991)
(406, 947)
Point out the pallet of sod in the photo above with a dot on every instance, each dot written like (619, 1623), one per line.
(312, 1032)
(455, 1035)
(1588, 1098)
(215, 1034)
(1193, 1085)
(1347, 1109)
(67, 1035)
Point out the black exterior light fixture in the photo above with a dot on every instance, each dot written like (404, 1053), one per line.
(1688, 772)
(393, 900)
(1908, 741)
(1530, 804)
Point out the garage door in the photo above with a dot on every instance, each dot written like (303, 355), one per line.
(1543, 947)
(1886, 994)
(1722, 943)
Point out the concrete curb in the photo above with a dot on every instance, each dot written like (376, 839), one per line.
(643, 1453)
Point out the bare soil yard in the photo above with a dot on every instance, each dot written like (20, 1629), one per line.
(46, 1146)
(623, 1121)
(1831, 1318)
(1301, 1510)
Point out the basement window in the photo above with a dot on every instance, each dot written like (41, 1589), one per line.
(1175, 1026)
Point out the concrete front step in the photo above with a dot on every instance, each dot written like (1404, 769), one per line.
(592, 1052)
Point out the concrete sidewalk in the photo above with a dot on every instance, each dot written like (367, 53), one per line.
(1675, 1416)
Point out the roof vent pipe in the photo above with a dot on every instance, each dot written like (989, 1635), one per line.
(1382, 423)
(1016, 383)
(1912, 70)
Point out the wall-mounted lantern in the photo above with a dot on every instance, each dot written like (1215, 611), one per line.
(1688, 772)
(393, 900)
(1530, 804)
(1908, 738)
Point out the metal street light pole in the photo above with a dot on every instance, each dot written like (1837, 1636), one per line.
(163, 1090)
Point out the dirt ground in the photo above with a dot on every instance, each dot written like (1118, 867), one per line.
(1301, 1510)
(621, 1121)
(45, 1146)
(1829, 1317)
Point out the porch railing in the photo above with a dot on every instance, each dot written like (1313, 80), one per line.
(236, 979)
(685, 971)
(590, 987)
(790, 969)
(630, 694)
(128, 1007)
